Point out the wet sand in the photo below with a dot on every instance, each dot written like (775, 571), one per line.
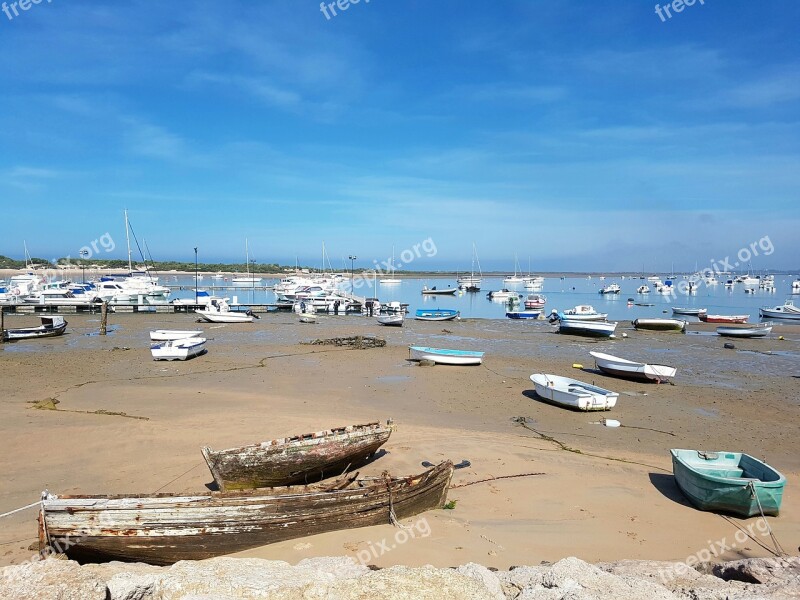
(127, 424)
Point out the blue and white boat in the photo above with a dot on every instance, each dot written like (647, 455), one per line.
(524, 314)
(436, 314)
(444, 356)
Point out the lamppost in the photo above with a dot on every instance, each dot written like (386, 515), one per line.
(352, 257)
(195, 275)
(84, 253)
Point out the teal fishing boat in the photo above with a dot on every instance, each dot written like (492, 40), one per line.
(730, 482)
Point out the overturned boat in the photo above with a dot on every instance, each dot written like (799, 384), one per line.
(299, 459)
(161, 529)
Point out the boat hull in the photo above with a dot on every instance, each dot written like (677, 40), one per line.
(225, 317)
(443, 356)
(677, 325)
(745, 332)
(436, 315)
(587, 328)
(447, 292)
(724, 318)
(627, 369)
(30, 333)
(726, 483)
(168, 335)
(779, 313)
(163, 529)
(395, 320)
(182, 349)
(524, 314)
(302, 459)
(573, 394)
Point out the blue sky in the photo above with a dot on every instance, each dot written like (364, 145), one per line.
(584, 135)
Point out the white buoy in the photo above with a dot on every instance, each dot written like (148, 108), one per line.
(611, 423)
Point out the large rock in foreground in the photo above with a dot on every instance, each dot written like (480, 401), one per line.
(345, 579)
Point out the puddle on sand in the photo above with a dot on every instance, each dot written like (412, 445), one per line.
(707, 412)
(392, 378)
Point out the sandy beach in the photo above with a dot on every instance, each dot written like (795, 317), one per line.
(124, 423)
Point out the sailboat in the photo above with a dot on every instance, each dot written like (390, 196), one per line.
(391, 279)
(472, 282)
(516, 278)
(533, 282)
(249, 280)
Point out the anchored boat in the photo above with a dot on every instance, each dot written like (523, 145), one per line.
(444, 356)
(628, 369)
(730, 482)
(51, 327)
(751, 331)
(572, 393)
(660, 324)
(436, 314)
(587, 328)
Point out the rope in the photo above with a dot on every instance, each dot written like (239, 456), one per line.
(779, 550)
(176, 479)
(16, 510)
(392, 516)
(461, 485)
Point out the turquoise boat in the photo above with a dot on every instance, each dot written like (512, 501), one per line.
(730, 482)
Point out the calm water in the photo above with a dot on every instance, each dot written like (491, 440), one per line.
(561, 294)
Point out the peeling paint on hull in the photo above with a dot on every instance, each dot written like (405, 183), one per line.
(162, 529)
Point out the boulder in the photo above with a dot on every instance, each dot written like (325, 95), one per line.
(53, 579)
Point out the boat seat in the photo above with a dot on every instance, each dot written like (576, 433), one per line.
(733, 472)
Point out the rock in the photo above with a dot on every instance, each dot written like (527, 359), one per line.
(489, 579)
(52, 579)
(761, 570)
(406, 583)
(574, 579)
(426, 362)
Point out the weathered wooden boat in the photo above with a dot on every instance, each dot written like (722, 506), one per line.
(587, 328)
(391, 320)
(730, 482)
(723, 318)
(435, 292)
(628, 369)
(182, 349)
(303, 458)
(572, 393)
(445, 356)
(168, 335)
(689, 312)
(436, 314)
(751, 331)
(660, 324)
(164, 528)
(787, 311)
(51, 326)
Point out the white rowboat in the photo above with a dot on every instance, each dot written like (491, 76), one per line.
(178, 349)
(572, 393)
(629, 369)
(167, 335)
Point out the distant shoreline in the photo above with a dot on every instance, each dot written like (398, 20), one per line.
(4, 273)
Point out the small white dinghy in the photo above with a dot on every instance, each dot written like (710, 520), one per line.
(628, 369)
(392, 320)
(572, 393)
(751, 331)
(168, 335)
(178, 349)
(444, 356)
(307, 317)
(588, 328)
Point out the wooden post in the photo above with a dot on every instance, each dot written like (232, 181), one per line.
(103, 318)
(2, 324)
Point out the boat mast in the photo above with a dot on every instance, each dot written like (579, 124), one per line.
(128, 240)
(247, 256)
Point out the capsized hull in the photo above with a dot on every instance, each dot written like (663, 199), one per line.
(728, 482)
(444, 356)
(587, 328)
(163, 529)
(677, 325)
